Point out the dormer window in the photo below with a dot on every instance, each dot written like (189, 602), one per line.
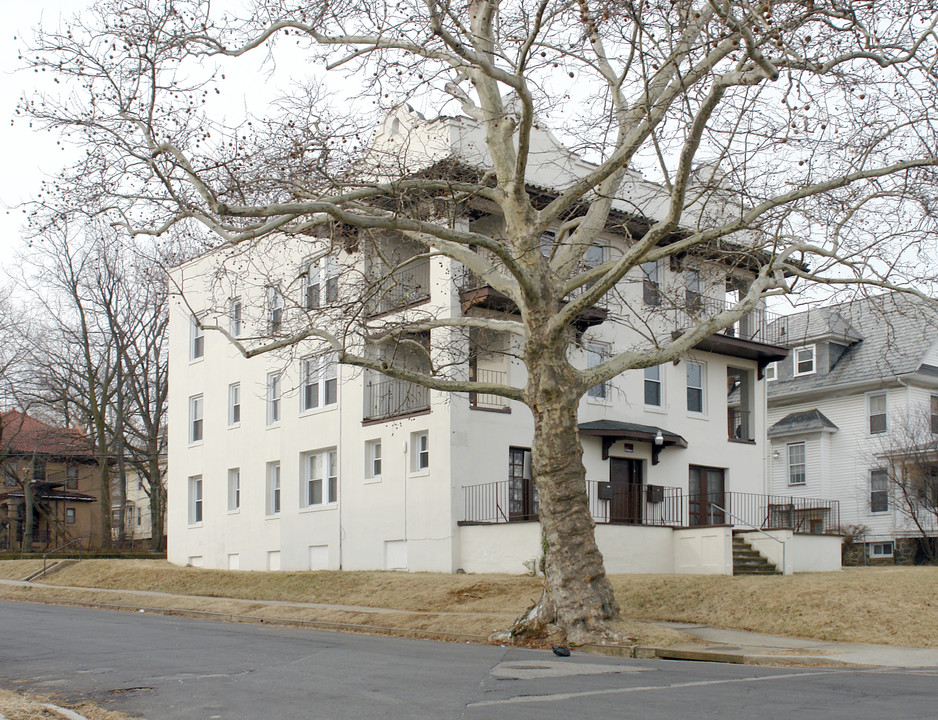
(804, 361)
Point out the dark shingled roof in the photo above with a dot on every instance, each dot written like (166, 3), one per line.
(886, 335)
(630, 431)
(807, 421)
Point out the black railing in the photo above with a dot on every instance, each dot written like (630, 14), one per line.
(631, 504)
(767, 512)
(488, 401)
(757, 325)
(405, 286)
(386, 398)
(739, 424)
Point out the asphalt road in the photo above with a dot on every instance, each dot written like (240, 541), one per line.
(164, 668)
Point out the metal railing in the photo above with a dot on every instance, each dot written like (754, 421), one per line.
(46, 555)
(763, 532)
(738, 424)
(757, 325)
(387, 397)
(405, 286)
(766, 512)
(488, 400)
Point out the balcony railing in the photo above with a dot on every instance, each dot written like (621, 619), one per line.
(386, 398)
(406, 286)
(757, 325)
(488, 401)
(739, 424)
(767, 512)
(655, 505)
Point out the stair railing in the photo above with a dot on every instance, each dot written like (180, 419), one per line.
(759, 530)
(60, 547)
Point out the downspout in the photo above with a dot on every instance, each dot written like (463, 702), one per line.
(338, 456)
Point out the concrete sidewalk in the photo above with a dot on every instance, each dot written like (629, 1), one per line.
(733, 646)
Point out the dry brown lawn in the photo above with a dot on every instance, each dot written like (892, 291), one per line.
(18, 706)
(18, 569)
(897, 606)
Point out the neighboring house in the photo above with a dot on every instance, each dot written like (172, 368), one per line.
(296, 463)
(137, 524)
(856, 396)
(50, 474)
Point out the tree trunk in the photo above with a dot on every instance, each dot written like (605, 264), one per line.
(157, 505)
(577, 597)
(29, 516)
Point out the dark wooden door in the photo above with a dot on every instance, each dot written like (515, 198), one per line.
(625, 476)
(706, 496)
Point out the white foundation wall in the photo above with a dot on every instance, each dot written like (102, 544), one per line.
(704, 551)
(802, 553)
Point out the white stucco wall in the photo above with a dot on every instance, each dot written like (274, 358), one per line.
(704, 551)
(802, 553)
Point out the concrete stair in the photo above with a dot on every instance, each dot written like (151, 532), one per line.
(52, 567)
(749, 561)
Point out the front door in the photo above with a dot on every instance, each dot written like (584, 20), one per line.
(625, 476)
(706, 496)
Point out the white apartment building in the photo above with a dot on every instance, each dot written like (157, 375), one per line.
(286, 461)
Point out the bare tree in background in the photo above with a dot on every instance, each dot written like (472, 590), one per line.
(795, 140)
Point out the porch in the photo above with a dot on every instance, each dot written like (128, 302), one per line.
(514, 501)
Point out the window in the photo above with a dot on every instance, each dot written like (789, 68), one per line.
(234, 317)
(879, 491)
(273, 488)
(39, 470)
(796, 464)
(651, 283)
(420, 451)
(196, 340)
(771, 371)
(693, 289)
(274, 309)
(881, 550)
(234, 489)
(934, 413)
(69, 516)
(653, 386)
(321, 481)
(804, 361)
(319, 384)
(71, 477)
(596, 353)
(139, 517)
(234, 403)
(373, 459)
(695, 393)
(195, 418)
(322, 283)
(876, 405)
(273, 398)
(195, 500)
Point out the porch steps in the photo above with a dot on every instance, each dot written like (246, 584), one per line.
(749, 561)
(50, 568)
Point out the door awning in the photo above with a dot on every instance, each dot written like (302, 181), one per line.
(611, 431)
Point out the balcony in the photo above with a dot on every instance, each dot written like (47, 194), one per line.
(389, 398)
(406, 286)
(487, 401)
(739, 424)
(759, 335)
(657, 506)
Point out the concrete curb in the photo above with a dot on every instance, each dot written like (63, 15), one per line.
(651, 652)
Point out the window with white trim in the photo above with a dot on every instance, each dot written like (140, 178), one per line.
(319, 384)
(320, 477)
(419, 451)
(234, 317)
(234, 404)
(651, 283)
(71, 477)
(273, 398)
(69, 516)
(881, 550)
(274, 309)
(234, 489)
(695, 387)
(195, 499)
(771, 372)
(803, 362)
(876, 410)
(273, 489)
(693, 289)
(797, 467)
(934, 414)
(653, 394)
(373, 459)
(321, 283)
(196, 340)
(196, 410)
(879, 491)
(596, 354)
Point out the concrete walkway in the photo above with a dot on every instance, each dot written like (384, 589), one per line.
(734, 646)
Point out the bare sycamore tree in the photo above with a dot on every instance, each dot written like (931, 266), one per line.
(791, 143)
(908, 459)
